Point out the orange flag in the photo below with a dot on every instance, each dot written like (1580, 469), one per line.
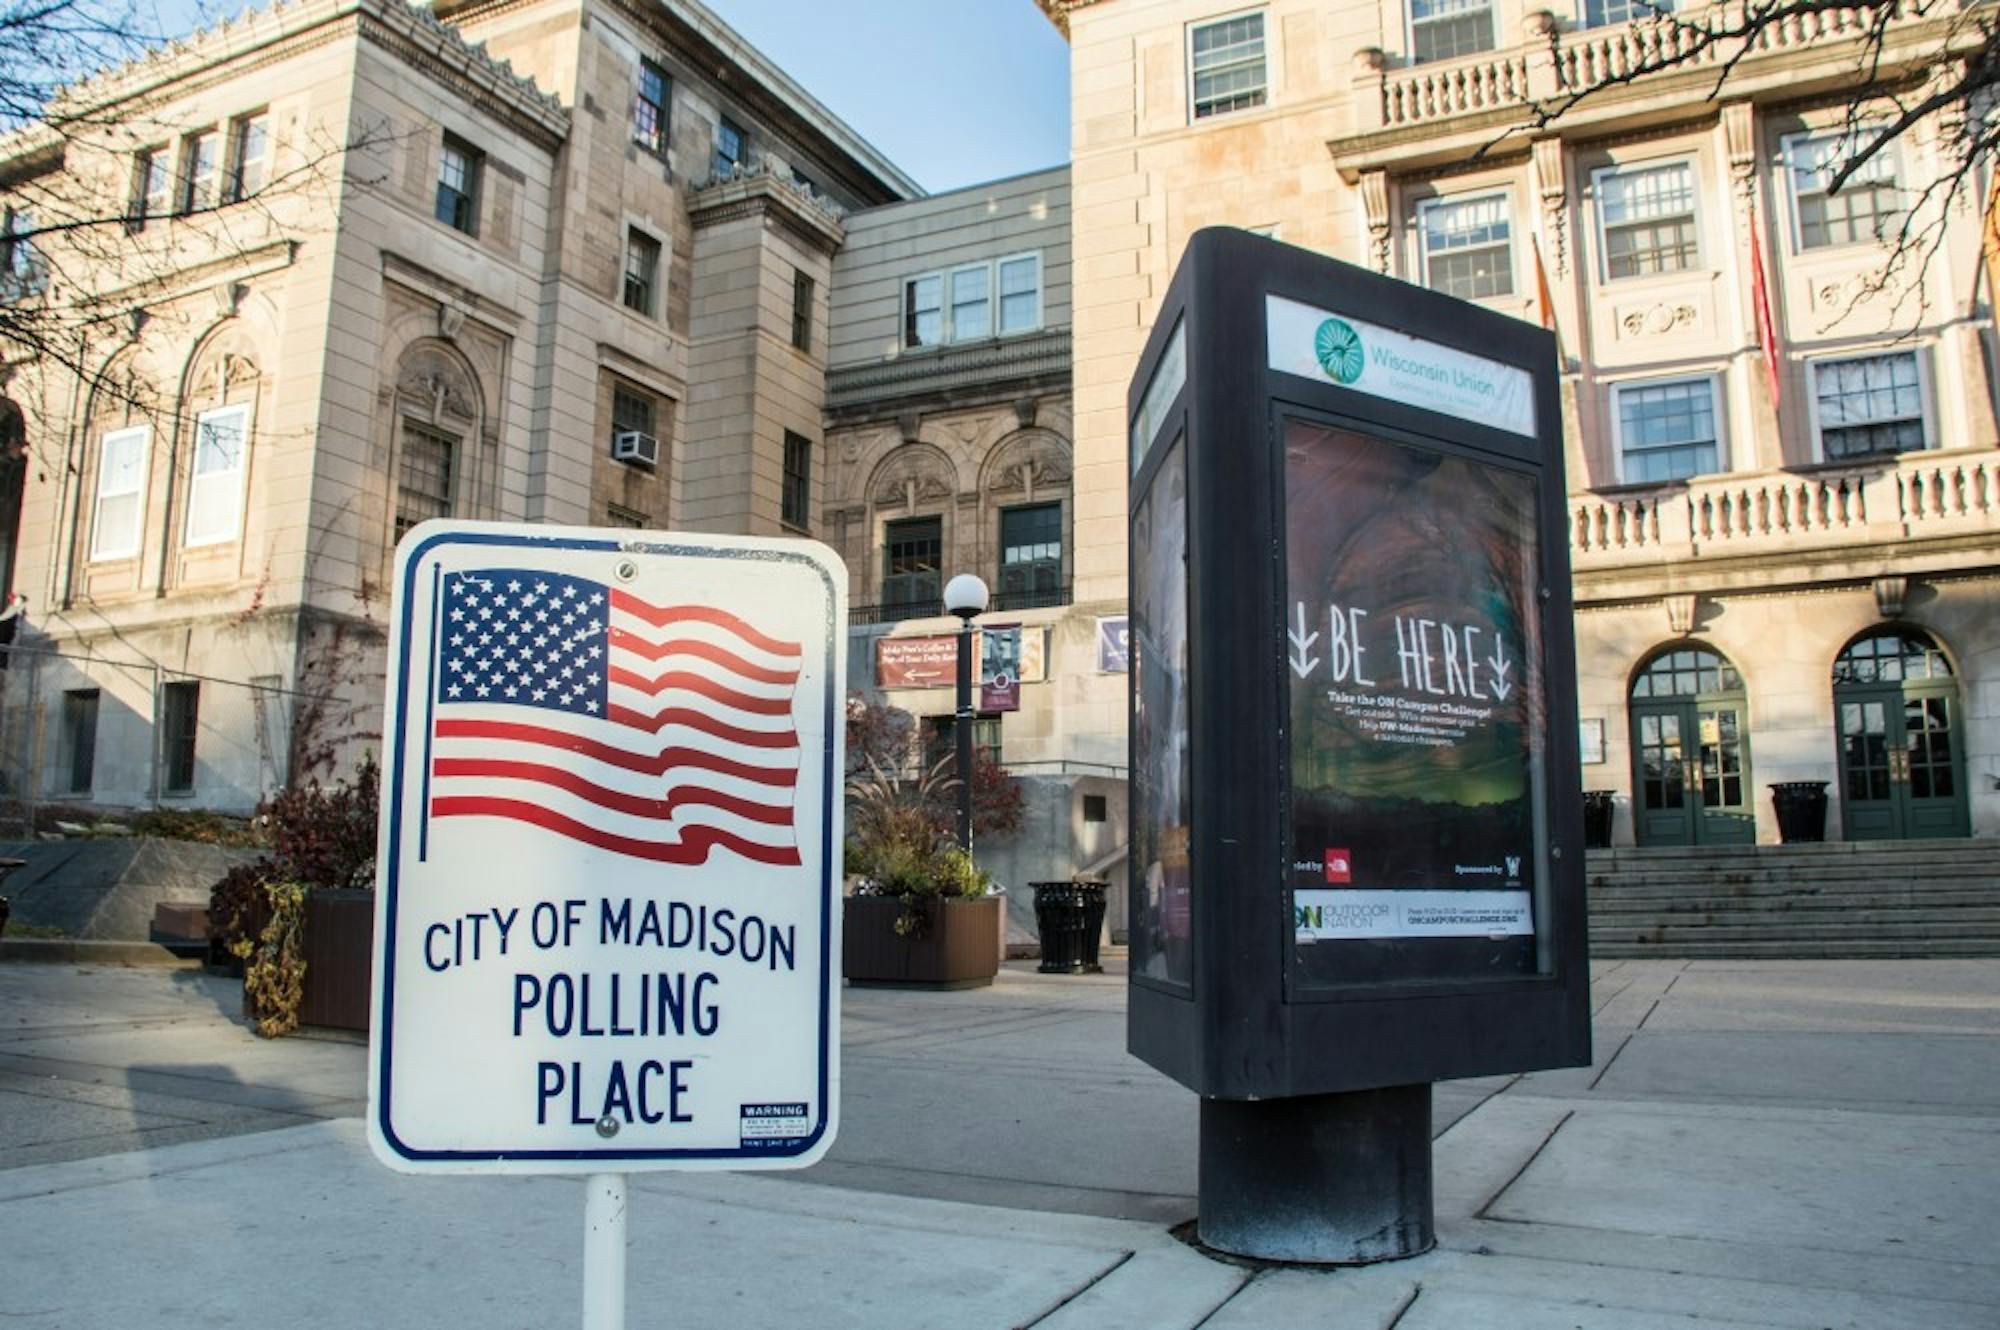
(1545, 300)
(1767, 328)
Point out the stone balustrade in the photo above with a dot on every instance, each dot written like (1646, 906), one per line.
(1916, 496)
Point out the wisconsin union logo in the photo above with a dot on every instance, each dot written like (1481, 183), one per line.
(1338, 347)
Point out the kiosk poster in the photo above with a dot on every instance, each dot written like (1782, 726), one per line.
(1414, 654)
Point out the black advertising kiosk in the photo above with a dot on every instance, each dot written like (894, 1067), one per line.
(1357, 838)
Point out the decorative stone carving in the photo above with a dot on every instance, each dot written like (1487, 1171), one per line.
(1739, 132)
(1680, 610)
(910, 424)
(1553, 188)
(1657, 319)
(1375, 202)
(438, 384)
(1891, 593)
(911, 476)
(450, 319)
(1024, 412)
(228, 298)
(1027, 464)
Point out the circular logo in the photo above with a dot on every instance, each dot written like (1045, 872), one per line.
(1339, 350)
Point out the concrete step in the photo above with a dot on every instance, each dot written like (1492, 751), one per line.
(1791, 932)
(1795, 950)
(1663, 884)
(1944, 923)
(1881, 896)
(1788, 863)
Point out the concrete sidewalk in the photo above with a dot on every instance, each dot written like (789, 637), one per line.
(1809, 1145)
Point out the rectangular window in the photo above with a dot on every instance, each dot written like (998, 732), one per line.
(215, 493)
(121, 483)
(1869, 405)
(1441, 29)
(1869, 205)
(22, 271)
(941, 742)
(249, 145)
(1667, 431)
(1647, 220)
(1020, 293)
(642, 271)
(650, 108)
(1226, 65)
(458, 186)
(424, 475)
(913, 554)
(732, 148)
(152, 186)
(1467, 246)
(79, 738)
(180, 716)
(630, 518)
(923, 310)
(1603, 13)
(802, 311)
(1030, 557)
(797, 506)
(631, 412)
(971, 303)
(201, 170)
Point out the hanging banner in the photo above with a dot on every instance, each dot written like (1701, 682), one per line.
(1000, 669)
(1114, 647)
(932, 662)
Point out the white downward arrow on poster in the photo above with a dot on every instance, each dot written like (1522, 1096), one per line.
(1500, 664)
(1302, 641)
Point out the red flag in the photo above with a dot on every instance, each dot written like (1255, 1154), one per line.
(1767, 328)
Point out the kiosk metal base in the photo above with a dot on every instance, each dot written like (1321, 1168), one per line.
(1334, 1179)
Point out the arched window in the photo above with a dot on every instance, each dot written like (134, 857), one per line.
(1691, 750)
(1897, 719)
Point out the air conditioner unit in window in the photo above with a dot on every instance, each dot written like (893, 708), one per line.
(629, 445)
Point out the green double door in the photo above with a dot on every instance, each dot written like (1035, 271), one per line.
(1691, 772)
(1899, 760)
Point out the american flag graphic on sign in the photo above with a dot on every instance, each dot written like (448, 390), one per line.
(661, 732)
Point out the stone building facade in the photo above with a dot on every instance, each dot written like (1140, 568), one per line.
(555, 262)
(949, 450)
(1788, 580)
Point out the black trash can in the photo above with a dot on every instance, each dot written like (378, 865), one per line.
(1597, 819)
(1801, 808)
(1069, 916)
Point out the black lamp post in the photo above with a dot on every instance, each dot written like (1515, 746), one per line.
(965, 596)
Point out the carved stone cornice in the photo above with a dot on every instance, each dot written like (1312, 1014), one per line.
(1004, 370)
(762, 192)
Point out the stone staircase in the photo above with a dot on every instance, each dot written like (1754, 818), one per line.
(1930, 898)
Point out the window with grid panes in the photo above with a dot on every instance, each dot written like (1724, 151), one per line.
(201, 170)
(1468, 246)
(642, 271)
(941, 741)
(424, 475)
(1020, 293)
(152, 186)
(180, 717)
(923, 310)
(1030, 557)
(1687, 673)
(1603, 13)
(650, 114)
(458, 185)
(732, 147)
(249, 144)
(971, 303)
(1869, 205)
(1441, 29)
(631, 412)
(119, 512)
(620, 516)
(912, 555)
(796, 508)
(1892, 656)
(1226, 65)
(802, 310)
(1646, 216)
(1666, 431)
(1869, 405)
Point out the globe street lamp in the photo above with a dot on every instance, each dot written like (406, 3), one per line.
(965, 596)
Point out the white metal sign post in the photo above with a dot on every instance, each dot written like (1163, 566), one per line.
(607, 924)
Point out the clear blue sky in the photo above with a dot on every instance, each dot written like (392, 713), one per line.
(954, 91)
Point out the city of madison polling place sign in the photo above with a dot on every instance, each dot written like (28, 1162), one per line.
(606, 923)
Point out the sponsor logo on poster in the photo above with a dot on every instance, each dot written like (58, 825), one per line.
(1327, 916)
(1338, 868)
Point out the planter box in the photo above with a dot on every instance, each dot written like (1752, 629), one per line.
(340, 959)
(957, 945)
